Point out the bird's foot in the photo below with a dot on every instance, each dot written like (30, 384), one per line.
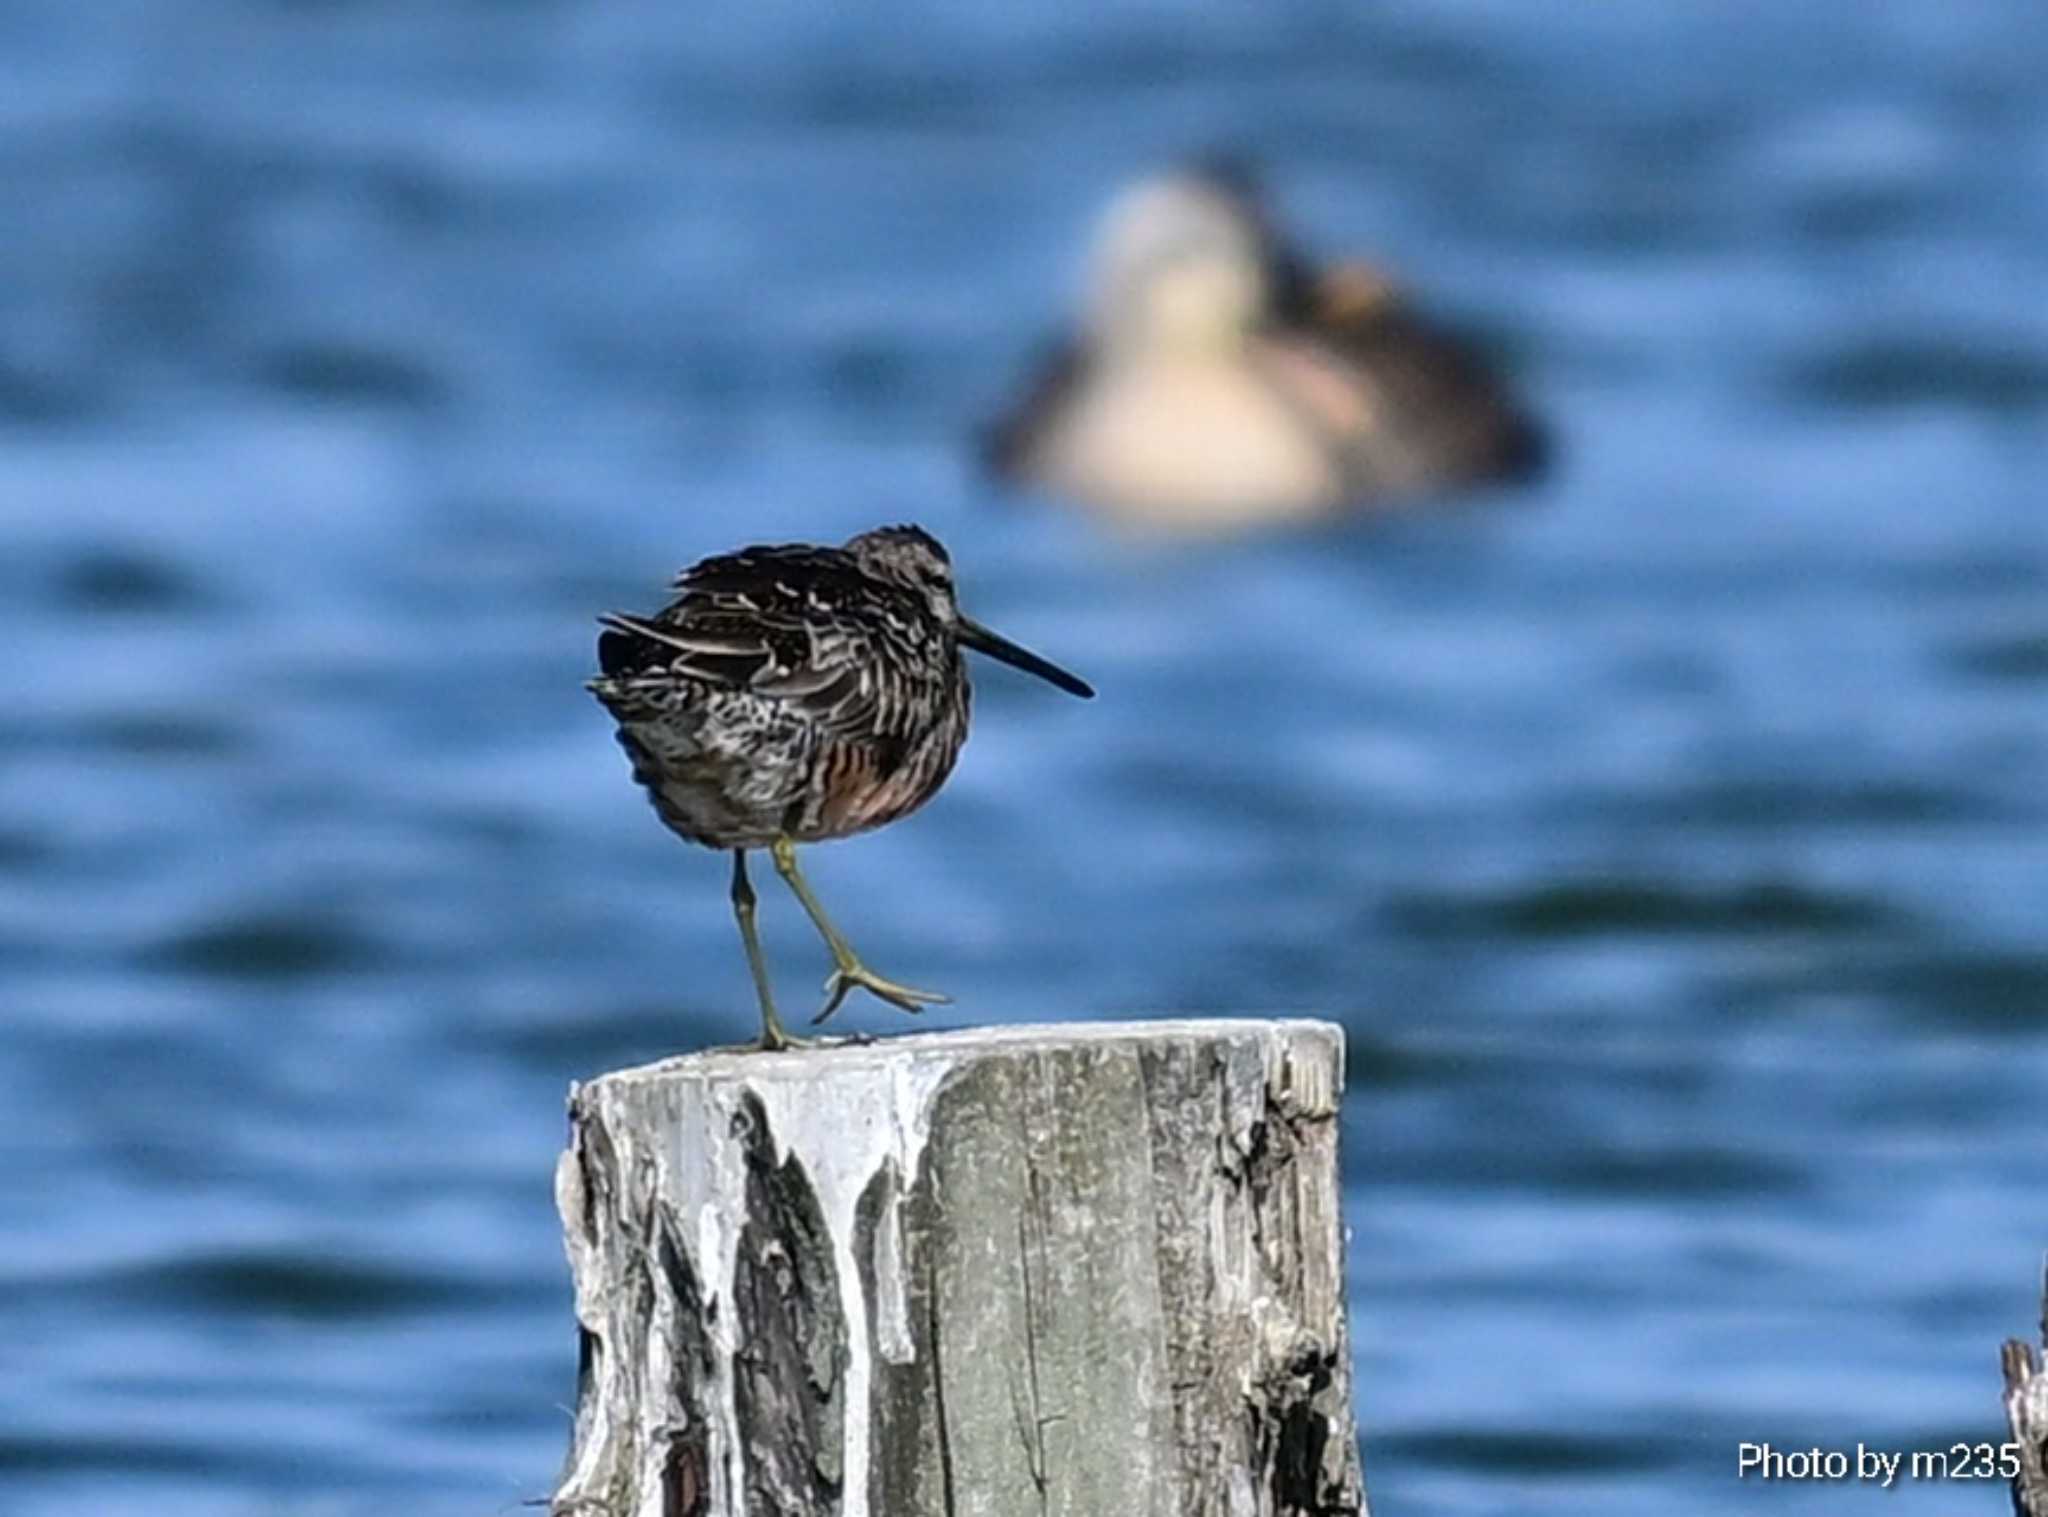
(777, 1041)
(852, 973)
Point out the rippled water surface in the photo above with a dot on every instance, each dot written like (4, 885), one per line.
(1669, 837)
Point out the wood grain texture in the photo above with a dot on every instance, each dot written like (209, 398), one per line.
(1015, 1272)
(2026, 1413)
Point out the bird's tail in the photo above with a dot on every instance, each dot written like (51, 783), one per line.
(628, 644)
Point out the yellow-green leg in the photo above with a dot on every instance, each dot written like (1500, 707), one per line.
(772, 1035)
(849, 971)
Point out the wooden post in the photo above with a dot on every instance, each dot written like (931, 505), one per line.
(2026, 1414)
(1068, 1271)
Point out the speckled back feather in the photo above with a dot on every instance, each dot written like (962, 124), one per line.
(786, 691)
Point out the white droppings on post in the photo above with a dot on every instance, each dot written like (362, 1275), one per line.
(879, 1118)
(881, 1115)
(586, 1278)
(1226, 1281)
(892, 1305)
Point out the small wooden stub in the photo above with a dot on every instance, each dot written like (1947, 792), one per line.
(2026, 1413)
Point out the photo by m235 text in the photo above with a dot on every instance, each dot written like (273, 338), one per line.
(1959, 1461)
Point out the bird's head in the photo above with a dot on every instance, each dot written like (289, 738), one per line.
(1182, 263)
(912, 558)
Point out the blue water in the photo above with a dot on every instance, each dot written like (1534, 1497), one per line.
(1669, 837)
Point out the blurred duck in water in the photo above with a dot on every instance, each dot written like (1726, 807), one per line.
(1218, 382)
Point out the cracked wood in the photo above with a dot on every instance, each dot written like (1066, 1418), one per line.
(1014, 1272)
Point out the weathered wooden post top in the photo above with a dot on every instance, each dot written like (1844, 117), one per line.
(1062, 1271)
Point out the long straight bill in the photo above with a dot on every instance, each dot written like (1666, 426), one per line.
(981, 640)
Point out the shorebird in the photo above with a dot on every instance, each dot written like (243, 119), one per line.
(1217, 381)
(795, 693)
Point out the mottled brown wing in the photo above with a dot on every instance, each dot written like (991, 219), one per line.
(786, 623)
(1411, 405)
